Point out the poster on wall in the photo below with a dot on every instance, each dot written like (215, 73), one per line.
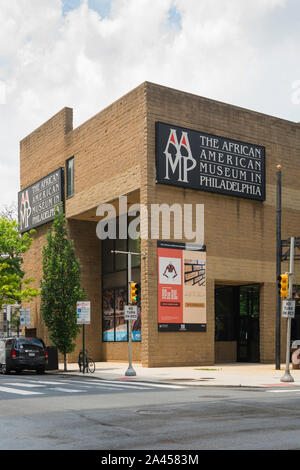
(136, 326)
(108, 315)
(181, 287)
(120, 322)
(115, 327)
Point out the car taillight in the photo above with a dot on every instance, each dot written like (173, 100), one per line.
(46, 354)
(14, 354)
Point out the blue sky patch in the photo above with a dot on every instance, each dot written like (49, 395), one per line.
(175, 17)
(100, 6)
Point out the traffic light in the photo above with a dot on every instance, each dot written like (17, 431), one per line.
(138, 294)
(133, 292)
(284, 285)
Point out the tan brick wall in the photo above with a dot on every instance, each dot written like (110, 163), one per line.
(239, 233)
(115, 155)
(225, 351)
(108, 150)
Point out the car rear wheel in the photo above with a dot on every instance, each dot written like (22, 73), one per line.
(41, 370)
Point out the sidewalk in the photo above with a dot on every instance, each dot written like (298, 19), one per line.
(228, 375)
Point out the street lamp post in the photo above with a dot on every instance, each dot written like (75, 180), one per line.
(130, 372)
(287, 376)
(278, 263)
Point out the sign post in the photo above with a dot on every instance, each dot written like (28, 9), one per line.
(278, 263)
(287, 311)
(130, 371)
(83, 318)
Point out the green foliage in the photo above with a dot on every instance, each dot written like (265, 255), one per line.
(60, 286)
(13, 286)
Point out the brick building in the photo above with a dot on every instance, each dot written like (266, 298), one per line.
(124, 151)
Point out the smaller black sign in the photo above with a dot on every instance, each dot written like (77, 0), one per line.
(167, 327)
(36, 204)
(196, 160)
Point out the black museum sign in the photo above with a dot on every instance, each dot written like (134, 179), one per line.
(206, 162)
(36, 204)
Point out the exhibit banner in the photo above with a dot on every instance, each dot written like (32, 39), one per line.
(181, 286)
(36, 203)
(197, 160)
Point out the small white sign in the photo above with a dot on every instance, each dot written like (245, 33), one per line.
(131, 312)
(288, 308)
(25, 318)
(83, 313)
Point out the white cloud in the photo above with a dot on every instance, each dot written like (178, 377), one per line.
(242, 52)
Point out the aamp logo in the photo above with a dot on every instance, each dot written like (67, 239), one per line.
(25, 211)
(184, 159)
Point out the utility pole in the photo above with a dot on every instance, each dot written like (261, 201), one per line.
(278, 264)
(287, 376)
(130, 372)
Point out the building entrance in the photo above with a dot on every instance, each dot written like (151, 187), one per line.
(237, 321)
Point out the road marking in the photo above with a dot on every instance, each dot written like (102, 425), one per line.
(284, 391)
(133, 384)
(22, 384)
(67, 390)
(108, 385)
(18, 391)
(46, 382)
(150, 384)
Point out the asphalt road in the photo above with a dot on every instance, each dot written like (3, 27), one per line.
(71, 413)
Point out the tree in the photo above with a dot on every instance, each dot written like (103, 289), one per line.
(60, 287)
(14, 287)
(10, 212)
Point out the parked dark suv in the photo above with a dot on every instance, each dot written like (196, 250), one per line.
(23, 354)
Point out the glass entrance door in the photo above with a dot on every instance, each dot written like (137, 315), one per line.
(248, 325)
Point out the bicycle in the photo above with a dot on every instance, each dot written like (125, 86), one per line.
(89, 363)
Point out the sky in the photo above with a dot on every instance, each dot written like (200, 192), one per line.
(85, 54)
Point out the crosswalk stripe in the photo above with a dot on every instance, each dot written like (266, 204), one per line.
(284, 391)
(151, 384)
(23, 384)
(110, 385)
(46, 382)
(18, 391)
(67, 390)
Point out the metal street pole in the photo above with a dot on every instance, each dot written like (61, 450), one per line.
(287, 376)
(278, 264)
(130, 372)
(83, 349)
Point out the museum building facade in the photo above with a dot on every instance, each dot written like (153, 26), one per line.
(188, 185)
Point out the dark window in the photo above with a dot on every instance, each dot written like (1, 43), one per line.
(70, 177)
(225, 307)
(295, 324)
(32, 343)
